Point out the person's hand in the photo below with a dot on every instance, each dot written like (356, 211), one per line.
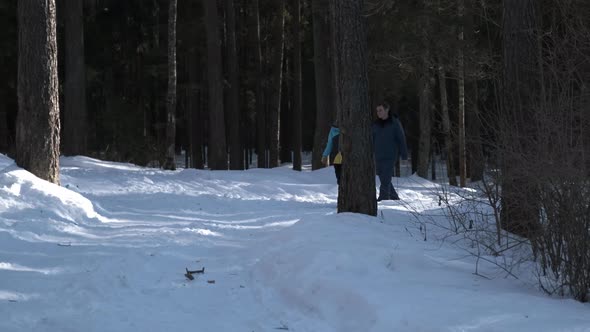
(325, 160)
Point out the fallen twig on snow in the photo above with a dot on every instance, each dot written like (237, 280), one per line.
(189, 274)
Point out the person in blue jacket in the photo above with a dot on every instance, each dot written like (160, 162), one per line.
(332, 150)
(389, 142)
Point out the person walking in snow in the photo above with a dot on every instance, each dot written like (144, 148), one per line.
(333, 152)
(389, 142)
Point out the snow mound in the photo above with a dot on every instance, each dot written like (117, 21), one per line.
(25, 195)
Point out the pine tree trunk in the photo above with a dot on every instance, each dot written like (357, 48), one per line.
(286, 115)
(37, 127)
(3, 125)
(476, 157)
(324, 83)
(356, 192)
(170, 163)
(246, 63)
(446, 126)
(261, 143)
(217, 146)
(297, 136)
(236, 159)
(462, 144)
(461, 122)
(74, 138)
(521, 90)
(425, 116)
(194, 108)
(277, 37)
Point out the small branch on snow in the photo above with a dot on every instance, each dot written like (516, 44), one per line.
(196, 271)
(189, 274)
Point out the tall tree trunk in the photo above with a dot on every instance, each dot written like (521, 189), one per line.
(521, 90)
(217, 147)
(356, 192)
(171, 97)
(425, 116)
(194, 108)
(277, 39)
(476, 157)
(74, 138)
(108, 91)
(446, 126)
(247, 81)
(297, 137)
(462, 144)
(261, 143)
(461, 122)
(37, 126)
(236, 159)
(286, 115)
(324, 83)
(3, 124)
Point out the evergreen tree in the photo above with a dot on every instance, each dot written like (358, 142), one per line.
(171, 97)
(217, 143)
(74, 134)
(356, 192)
(37, 126)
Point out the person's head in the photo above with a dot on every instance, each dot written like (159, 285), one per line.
(383, 110)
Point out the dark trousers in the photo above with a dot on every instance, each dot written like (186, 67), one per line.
(338, 171)
(385, 172)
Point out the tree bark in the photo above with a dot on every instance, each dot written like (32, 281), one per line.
(461, 83)
(297, 136)
(74, 135)
(356, 192)
(261, 143)
(3, 125)
(286, 115)
(194, 108)
(425, 116)
(446, 126)
(476, 157)
(194, 92)
(37, 127)
(521, 85)
(217, 145)
(170, 163)
(236, 159)
(324, 83)
(277, 38)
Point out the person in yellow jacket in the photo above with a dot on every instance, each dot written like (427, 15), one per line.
(332, 150)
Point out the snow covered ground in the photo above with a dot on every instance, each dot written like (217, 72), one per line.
(107, 251)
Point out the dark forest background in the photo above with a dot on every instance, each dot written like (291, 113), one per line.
(125, 48)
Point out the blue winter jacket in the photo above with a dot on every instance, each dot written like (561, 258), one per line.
(333, 132)
(389, 140)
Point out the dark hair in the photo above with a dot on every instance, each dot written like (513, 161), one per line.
(385, 105)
